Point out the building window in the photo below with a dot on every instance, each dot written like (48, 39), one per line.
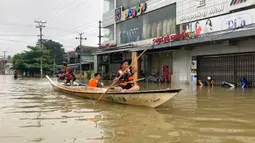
(108, 5)
(128, 3)
(150, 25)
(115, 58)
(108, 34)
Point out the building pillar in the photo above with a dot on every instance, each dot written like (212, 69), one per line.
(95, 64)
(181, 66)
(135, 65)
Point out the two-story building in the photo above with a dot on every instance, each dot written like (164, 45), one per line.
(83, 58)
(188, 38)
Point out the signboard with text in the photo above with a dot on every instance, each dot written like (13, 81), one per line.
(195, 29)
(237, 4)
(135, 11)
(193, 10)
(118, 12)
(230, 21)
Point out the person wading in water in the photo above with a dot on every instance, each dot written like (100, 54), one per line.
(126, 81)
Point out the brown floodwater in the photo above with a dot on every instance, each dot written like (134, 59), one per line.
(31, 112)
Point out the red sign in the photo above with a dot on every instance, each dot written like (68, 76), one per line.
(166, 72)
(168, 38)
(107, 46)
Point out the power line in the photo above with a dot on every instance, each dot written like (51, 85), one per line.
(84, 25)
(59, 29)
(12, 24)
(59, 5)
(16, 41)
(57, 13)
(16, 35)
(41, 26)
(83, 2)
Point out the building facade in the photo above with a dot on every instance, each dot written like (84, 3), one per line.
(189, 38)
(83, 58)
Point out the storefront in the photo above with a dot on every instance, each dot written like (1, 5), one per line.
(138, 29)
(228, 67)
(187, 34)
(147, 26)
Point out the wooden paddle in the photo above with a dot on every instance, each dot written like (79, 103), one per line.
(124, 72)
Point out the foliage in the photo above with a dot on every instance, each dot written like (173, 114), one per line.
(29, 61)
(89, 74)
(55, 50)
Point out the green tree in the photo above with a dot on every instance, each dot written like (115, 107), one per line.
(56, 50)
(28, 62)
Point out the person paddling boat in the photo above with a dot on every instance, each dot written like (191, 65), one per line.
(126, 81)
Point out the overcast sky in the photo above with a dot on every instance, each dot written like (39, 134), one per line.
(65, 19)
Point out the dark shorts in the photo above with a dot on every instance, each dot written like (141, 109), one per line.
(74, 78)
(128, 86)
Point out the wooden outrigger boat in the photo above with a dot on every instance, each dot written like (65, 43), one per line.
(149, 98)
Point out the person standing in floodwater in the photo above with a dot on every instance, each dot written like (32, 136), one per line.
(15, 74)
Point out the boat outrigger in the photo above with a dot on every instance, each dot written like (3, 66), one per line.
(148, 98)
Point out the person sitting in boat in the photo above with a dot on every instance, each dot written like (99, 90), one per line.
(94, 82)
(125, 79)
(70, 76)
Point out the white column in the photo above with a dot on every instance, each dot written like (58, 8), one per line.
(181, 66)
(115, 25)
(95, 64)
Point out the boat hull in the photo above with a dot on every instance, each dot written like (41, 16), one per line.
(151, 98)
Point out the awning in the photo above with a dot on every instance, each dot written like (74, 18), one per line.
(111, 51)
(78, 64)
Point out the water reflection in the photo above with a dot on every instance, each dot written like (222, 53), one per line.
(31, 112)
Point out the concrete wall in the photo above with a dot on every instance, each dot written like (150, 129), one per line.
(182, 58)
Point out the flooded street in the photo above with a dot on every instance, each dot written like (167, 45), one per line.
(31, 112)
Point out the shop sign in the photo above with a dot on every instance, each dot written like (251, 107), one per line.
(193, 10)
(108, 46)
(135, 11)
(230, 21)
(203, 13)
(118, 13)
(168, 38)
(237, 4)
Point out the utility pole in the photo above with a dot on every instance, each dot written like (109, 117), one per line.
(100, 33)
(54, 61)
(3, 70)
(4, 54)
(41, 26)
(80, 38)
